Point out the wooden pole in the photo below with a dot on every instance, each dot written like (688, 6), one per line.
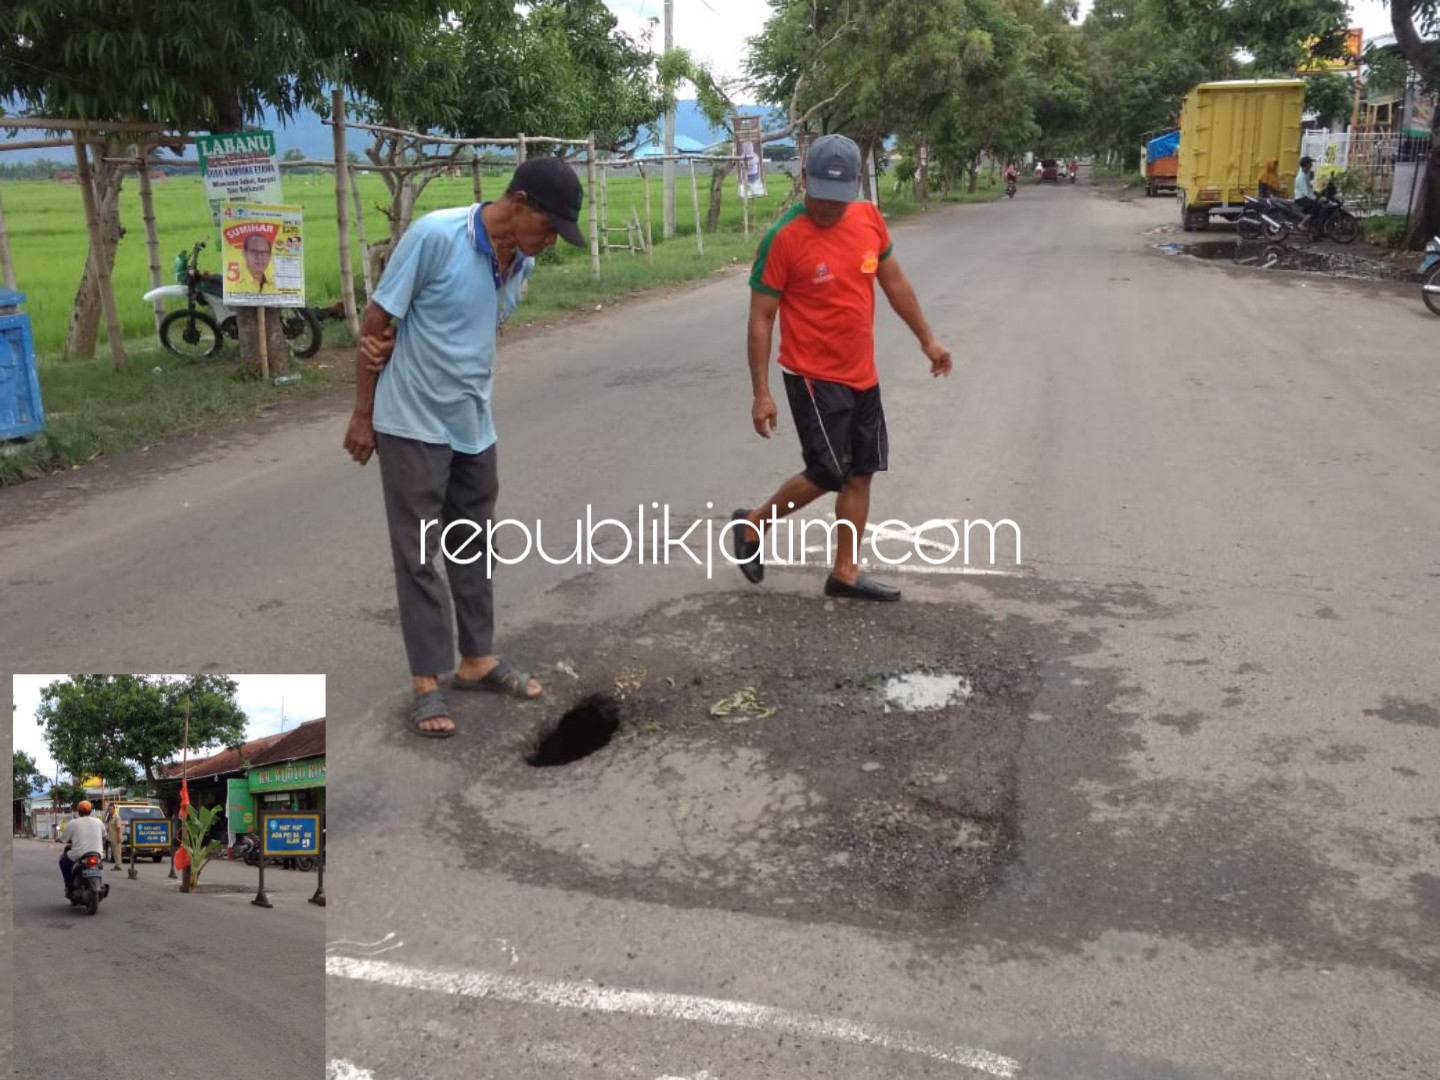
(152, 238)
(520, 149)
(475, 178)
(695, 196)
(745, 214)
(360, 231)
(7, 268)
(265, 343)
(342, 224)
(594, 225)
(605, 211)
(649, 238)
(97, 248)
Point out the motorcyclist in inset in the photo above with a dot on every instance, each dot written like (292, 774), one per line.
(1305, 191)
(84, 834)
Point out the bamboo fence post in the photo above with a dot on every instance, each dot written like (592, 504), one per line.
(520, 150)
(360, 229)
(152, 238)
(97, 249)
(695, 196)
(7, 268)
(475, 177)
(605, 211)
(594, 225)
(649, 238)
(342, 224)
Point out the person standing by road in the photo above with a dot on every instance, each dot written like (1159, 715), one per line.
(816, 269)
(422, 402)
(112, 830)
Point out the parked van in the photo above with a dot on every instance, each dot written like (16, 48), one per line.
(1234, 136)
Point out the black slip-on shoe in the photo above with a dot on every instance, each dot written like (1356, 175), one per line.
(865, 588)
(747, 550)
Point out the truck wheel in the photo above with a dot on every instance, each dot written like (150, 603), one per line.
(1185, 221)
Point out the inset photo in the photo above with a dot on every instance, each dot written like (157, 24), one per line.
(183, 819)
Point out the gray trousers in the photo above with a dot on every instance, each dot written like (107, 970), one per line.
(426, 482)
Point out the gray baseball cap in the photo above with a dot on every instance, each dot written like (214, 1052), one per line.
(832, 169)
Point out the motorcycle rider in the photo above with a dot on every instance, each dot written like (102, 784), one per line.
(1305, 191)
(84, 834)
(1012, 173)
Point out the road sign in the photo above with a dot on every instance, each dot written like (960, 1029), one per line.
(150, 834)
(284, 835)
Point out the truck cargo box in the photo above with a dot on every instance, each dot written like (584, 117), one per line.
(1233, 136)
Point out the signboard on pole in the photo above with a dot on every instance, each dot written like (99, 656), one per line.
(290, 834)
(752, 166)
(239, 808)
(263, 251)
(240, 167)
(150, 834)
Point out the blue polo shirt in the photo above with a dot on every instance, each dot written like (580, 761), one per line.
(443, 286)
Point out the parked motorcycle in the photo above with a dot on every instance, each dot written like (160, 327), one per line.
(87, 885)
(194, 333)
(1430, 275)
(1275, 218)
(1332, 219)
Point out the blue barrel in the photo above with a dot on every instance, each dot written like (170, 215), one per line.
(21, 413)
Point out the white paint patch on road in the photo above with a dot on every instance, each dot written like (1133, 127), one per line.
(368, 948)
(590, 996)
(343, 1070)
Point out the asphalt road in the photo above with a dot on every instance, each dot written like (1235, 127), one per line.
(1183, 825)
(157, 980)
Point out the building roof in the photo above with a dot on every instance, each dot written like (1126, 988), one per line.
(306, 741)
(226, 761)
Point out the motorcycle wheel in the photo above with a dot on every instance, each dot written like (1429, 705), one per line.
(1431, 280)
(1342, 227)
(1274, 233)
(302, 330)
(305, 862)
(92, 900)
(191, 335)
(1249, 228)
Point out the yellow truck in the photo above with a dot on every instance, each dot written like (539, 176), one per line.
(1233, 136)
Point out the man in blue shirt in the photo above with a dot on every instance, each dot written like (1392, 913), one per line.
(422, 402)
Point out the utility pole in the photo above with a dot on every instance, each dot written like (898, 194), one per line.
(669, 167)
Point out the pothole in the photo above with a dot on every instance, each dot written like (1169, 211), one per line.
(1326, 261)
(586, 727)
(922, 691)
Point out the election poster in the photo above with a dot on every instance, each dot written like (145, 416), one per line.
(240, 167)
(752, 166)
(264, 255)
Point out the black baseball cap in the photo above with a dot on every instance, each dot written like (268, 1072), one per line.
(552, 185)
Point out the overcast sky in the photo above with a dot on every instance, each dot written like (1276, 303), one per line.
(719, 39)
(259, 697)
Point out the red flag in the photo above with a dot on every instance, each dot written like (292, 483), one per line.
(184, 800)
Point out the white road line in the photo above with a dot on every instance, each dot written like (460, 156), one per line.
(343, 1070)
(587, 995)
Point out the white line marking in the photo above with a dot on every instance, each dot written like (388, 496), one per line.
(371, 948)
(343, 1070)
(588, 995)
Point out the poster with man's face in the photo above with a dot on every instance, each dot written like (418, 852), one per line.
(748, 148)
(263, 251)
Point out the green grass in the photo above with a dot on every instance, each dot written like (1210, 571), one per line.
(94, 411)
(1386, 230)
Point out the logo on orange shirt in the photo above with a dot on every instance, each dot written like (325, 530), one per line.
(870, 263)
(822, 272)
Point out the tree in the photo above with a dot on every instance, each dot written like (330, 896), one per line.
(1411, 18)
(210, 67)
(110, 724)
(26, 777)
(1329, 96)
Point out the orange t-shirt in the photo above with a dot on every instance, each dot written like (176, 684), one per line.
(825, 279)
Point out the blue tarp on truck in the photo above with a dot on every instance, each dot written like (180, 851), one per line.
(1162, 146)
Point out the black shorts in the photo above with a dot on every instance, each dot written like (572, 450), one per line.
(842, 430)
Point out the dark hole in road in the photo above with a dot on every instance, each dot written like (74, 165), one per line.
(586, 727)
(1329, 261)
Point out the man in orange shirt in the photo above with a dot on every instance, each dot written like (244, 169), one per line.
(816, 268)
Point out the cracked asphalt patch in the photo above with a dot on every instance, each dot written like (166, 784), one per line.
(1021, 817)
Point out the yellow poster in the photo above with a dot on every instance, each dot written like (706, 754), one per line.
(263, 248)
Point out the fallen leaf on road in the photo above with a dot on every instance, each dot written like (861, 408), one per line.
(744, 705)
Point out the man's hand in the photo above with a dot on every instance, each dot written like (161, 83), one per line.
(375, 351)
(360, 437)
(764, 415)
(939, 358)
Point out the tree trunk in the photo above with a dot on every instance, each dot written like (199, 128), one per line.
(718, 176)
(1425, 219)
(867, 162)
(84, 332)
(922, 169)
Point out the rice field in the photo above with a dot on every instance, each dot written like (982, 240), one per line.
(48, 241)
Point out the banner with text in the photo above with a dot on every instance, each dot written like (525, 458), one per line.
(752, 165)
(239, 168)
(263, 251)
